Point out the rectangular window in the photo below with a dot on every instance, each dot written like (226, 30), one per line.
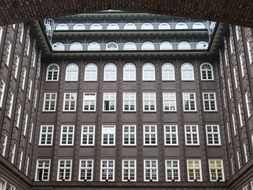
(30, 89)
(88, 135)
(31, 133)
(247, 104)
(107, 170)
(109, 101)
(129, 101)
(16, 67)
(35, 99)
(9, 110)
(249, 54)
(237, 32)
(20, 160)
(18, 115)
(86, 170)
(25, 124)
(169, 101)
(172, 170)
(3, 184)
(69, 103)
(240, 114)
(108, 135)
(245, 187)
(13, 153)
(4, 145)
(34, 58)
(150, 170)
(235, 77)
(191, 135)
(46, 135)
(231, 43)
(209, 101)
(149, 101)
(225, 57)
(129, 135)
(189, 101)
(170, 135)
(23, 79)
(150, 135)
(216, 170)
(245, 152)
(8, 53)
(238, 159)
(213, 135)
(228, 133)
(27, 165)
(234, 124)
(229, 89)
(42, 170)
(242, 65)
(2, 91)
(49, 102)
(28, 43)
(89, 102)
(64, 170)
(128, 170)
(251, 185)
(232, 166)
(194, 170)
(67, 135)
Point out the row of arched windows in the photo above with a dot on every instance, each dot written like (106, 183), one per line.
(131, 26)
(129, 72)
(130, 46)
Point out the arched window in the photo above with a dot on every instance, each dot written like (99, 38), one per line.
(198, 25)
(94, 46)
(163, 26)
(72, 72)
(148, 72)
(58, 46)
(147, 26)
(52, 72)
(130, 26)
(206, 70)
(62, 27)
(148, 46)
(181, 26)
(90, 72)
(79, 26)
(110, 72)
(168, 71)
(113, 26)
(96, 26)
(129, 72)
(187, 71)
(202, 45)
(130, 46)
(112, 46)
(166, 46)
(76, 46)
(184, 45)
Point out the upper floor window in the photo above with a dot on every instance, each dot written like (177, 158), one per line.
(148, 46)
(76, 46)
(163, 26)
(88, 135)
(46, 135)
(213, 135)
(58, 46)
(166, 46)
(108, 135)
(129, 46)
(181, 26)
(184, 45)
(49, 103)
(149, 101)
(112, 26)
(169, 101)
(109, 103)
(170, 135)
(89, 101)
(94, 46)
(21, 32)
(250, 55)
(79, 26)
(129, 135)
(28, 43)
(2, 91)
(202, 45)
(129, 101)
(209, 101)
(5, 137)
(112, 46)
(187, 72)
(191, 135)
(198, 25)
(168, 71)
(69, 102)
(1, 33)
(67, 135)
(96, 26)
(72, 72)
(90, 72)
(52, 72)
(130, 26)
(8, 53)
(206, 70)
(189, 101)
(62, 27)
(147, 26)
(129, 72)
(110, 72)
(148, 72)
(9, 110)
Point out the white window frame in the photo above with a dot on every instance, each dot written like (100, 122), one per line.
(89, 99)
(171, 132)
(69, 104)
(65, 169)
(151, 169)
(20, 160)
(18, 115)
(30, 89)
(54, 72)
(229, 88)
(235, 77)
(188, 100)
(129, 72)
(111, 97)
(238, 159)
(246, 157)
(129, 99)
(31, 133)
(194, 168)
(250, 56)
(228, 132)
(67, 135)
(17, 63)
(234, 124)
(240, 115)
(174, 167)
(72, 72)
(187, 72)
(150, 134)
(207, 72)
(90, 135)
(149, 99)
(129, 133)
(129, 167)
(192, 135)
(110, 72)
(27, 166)
(23, 79)
(5, 137)
(46, 164)
(86, 166)
(107, 169)
(242, 65)
(50, 101)
(237, 32)
(9, 110)
(25, 124)
(216, 169)
(8, 49)
(3, 184)
(209, 102)
(13, 152)
(90, 72)
(107, 136)
(212, 135)
(2, 92)
(47, 135)
(148, 72)
(169, 102)
(168, 72)
(247, 104)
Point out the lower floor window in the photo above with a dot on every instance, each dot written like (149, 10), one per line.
(172, 170)
(64, 170)
(42, 170)
(107, 170)
(216, 170)
(86, 170)
(150, 170)
(194, 170)
(128, 170)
